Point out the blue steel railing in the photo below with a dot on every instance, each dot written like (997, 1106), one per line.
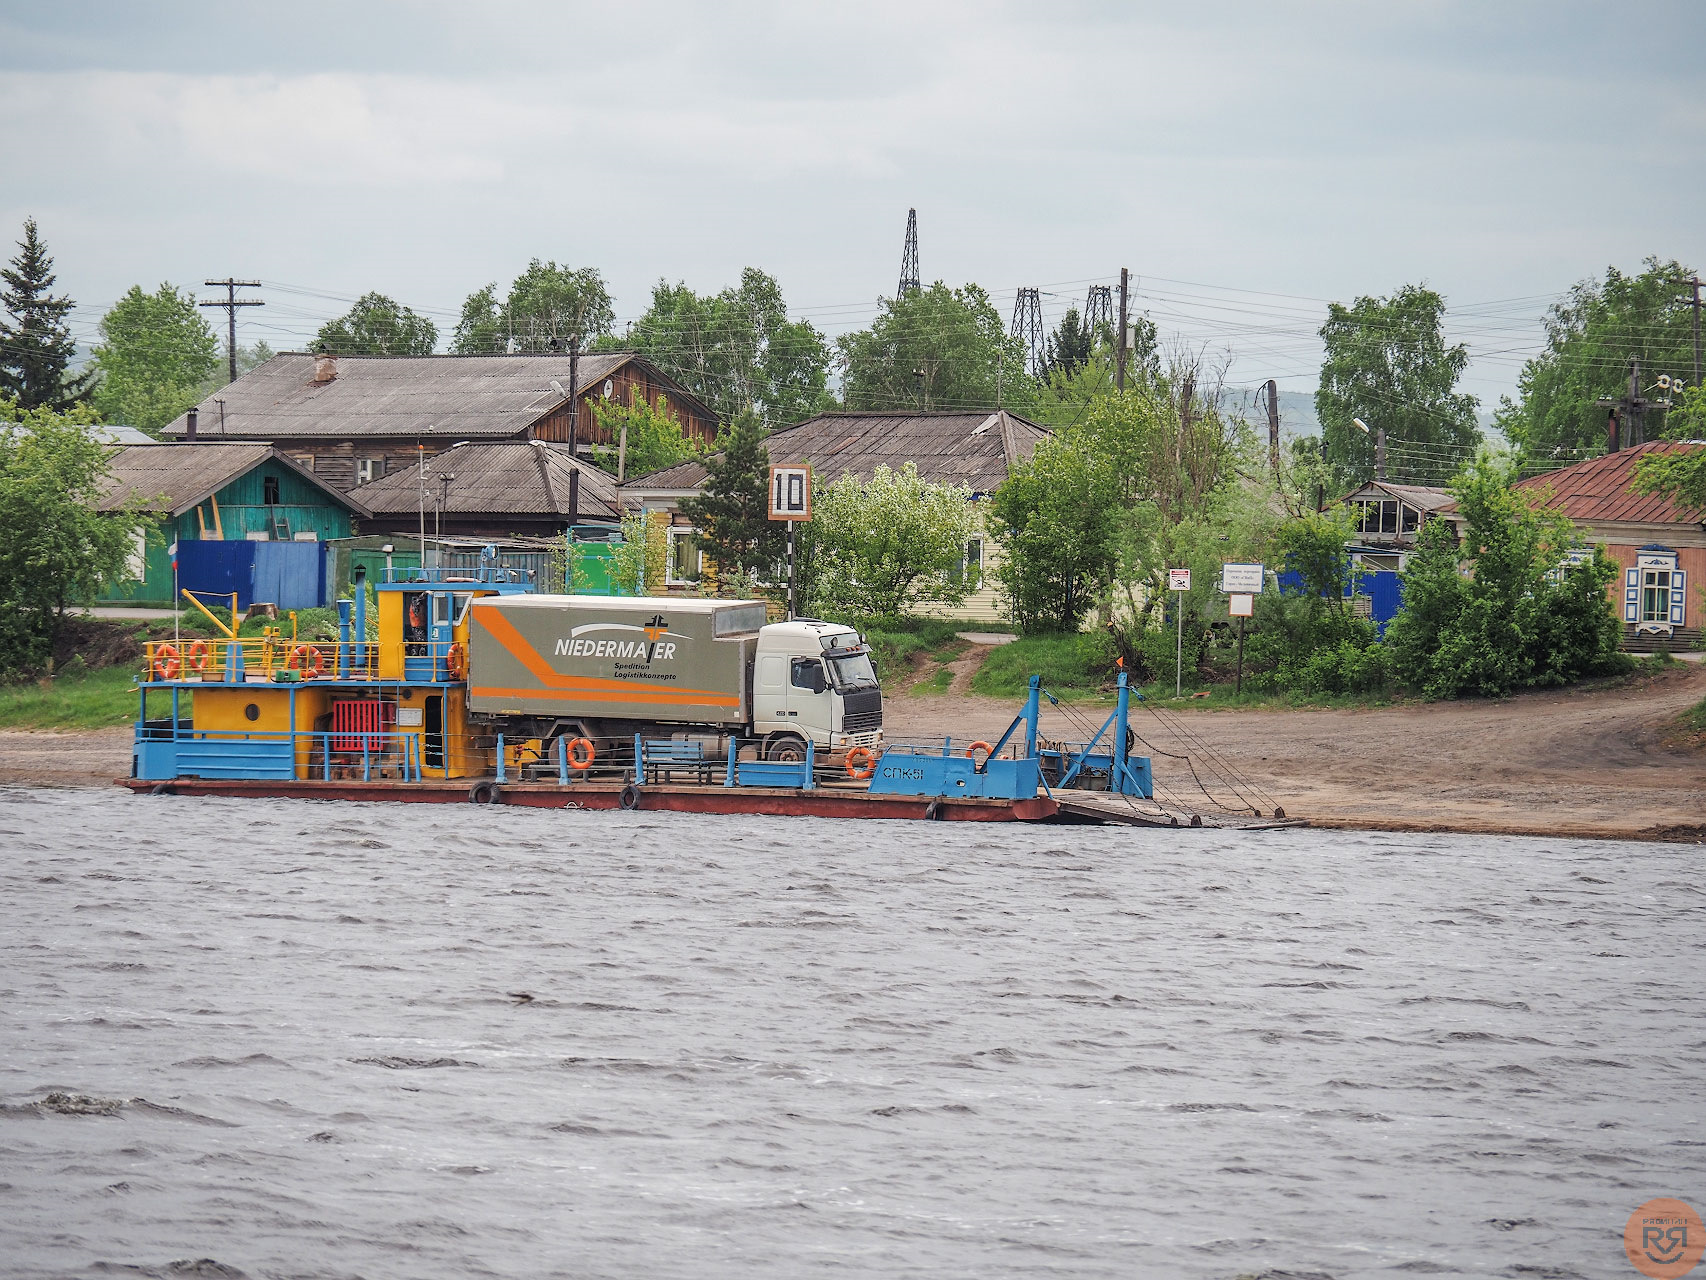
(238, 754)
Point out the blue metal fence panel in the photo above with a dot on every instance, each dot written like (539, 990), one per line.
(291, 575)
(218, 568)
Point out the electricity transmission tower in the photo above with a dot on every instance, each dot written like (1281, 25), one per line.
(909, 282)
(1028, 326)
(231, 302)
(1099, 309)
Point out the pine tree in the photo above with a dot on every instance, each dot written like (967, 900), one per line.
(36, 347)
(732, 511)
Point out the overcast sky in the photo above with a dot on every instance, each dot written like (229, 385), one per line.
(1247, 161)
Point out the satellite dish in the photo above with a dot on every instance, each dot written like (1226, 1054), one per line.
(609, 388)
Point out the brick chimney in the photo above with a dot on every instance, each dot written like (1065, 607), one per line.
(325, 367)
(189, 424)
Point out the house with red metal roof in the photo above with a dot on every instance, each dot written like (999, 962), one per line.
(1660, 547)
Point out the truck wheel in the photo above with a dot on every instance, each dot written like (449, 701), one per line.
(785, 748)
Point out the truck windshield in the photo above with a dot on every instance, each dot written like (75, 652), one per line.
(852, 671)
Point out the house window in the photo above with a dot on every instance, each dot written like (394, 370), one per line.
(686, 561)
(368, 470)
(1412, 519)
(971, 564)
(269, 491)
(1655, 595)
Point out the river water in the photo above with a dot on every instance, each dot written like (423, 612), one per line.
(310, 1039)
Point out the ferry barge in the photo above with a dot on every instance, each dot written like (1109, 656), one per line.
(470, 687)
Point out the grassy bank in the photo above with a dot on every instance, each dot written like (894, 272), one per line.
(95, 700)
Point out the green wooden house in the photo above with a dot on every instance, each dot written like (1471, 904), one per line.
(233, 494)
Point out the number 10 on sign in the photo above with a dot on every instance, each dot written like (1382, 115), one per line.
(790, 493)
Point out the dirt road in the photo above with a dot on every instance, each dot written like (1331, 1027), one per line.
(1589, 763)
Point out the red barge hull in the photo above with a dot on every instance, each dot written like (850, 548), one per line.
(819, 802)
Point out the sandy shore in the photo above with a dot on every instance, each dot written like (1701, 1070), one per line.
(1575, 763)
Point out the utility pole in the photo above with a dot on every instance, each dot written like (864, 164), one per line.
(1273, 425)
(574, 391)
(1694, 302)
(909, 281)
(1380, 454)
(1628, 410)
(1125, 320)
(231, 302)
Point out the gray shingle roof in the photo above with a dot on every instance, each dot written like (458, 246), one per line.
(510, 477)
(973, 449)
(466, 397)
(1422, 497)
(177, 477)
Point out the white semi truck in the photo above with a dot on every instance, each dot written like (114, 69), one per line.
(706, 671)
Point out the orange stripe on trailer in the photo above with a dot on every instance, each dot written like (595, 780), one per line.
(629, 693)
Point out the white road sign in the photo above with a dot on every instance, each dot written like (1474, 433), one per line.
(1178, 579)
(790, 493)
(1243, 606)
(1242, 579)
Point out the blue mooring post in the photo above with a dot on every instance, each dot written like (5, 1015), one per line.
(562, 761)
(1033, 709)
(810, 745)
(1122, 770)
(639, 763)
(734, 758)
(501, 758)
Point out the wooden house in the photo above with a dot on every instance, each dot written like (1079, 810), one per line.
(218, 503)
(352, 420)
(976, 450)
(1659, 547)
(504, 489)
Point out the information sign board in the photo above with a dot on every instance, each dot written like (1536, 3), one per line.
(1243, 606)
(1178, 579)
(1242, 579)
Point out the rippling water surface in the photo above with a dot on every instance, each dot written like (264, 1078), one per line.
(297, 1039)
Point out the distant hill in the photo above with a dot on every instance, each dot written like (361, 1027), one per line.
(1297, 413)
(1296, 410)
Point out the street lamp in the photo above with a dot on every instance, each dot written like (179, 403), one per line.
(1379, 448)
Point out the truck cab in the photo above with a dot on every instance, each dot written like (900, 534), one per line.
(814, 681)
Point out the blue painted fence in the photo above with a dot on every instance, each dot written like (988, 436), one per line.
(291, 575)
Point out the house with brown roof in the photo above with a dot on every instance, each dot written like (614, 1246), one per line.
(1660, 547)
(976, 450)
(354, 419)
(503, 489)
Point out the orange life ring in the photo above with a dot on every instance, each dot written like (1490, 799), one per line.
(576, 759)
(307, 657)
(861, 763)
(167, 663)
(456, 661)
(987, 750)
(200, 653)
